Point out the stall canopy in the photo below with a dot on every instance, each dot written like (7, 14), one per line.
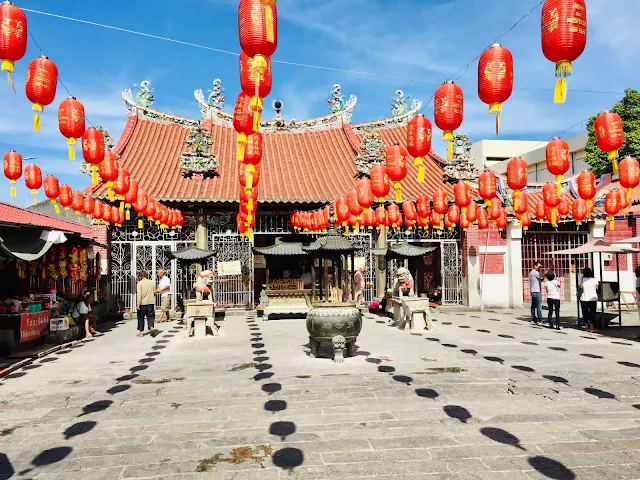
(281, 248)
(629, 240)
(403, 250)
(595, 246)
(193, 255)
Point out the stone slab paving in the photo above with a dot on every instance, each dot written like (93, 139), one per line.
(482, 396)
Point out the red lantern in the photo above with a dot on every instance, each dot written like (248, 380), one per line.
(564, 207)
(540, 210)
(380, 183)
(419, 133)
(115, 216)
(472, 212)
(517, 172)
(121, 185)
(89, 207)
(434, 219)
(453, 215)
(342, 211)
(253, 151)
(248, 202)
(106, 213)
(483, 219)
(248, 180)
(487, 186)
(108, 170)
(525, 221)
(410, 213)
(257, 27)
(587, 188)
(364, 193)
(423, 222)
(93, 150)
(464, 222)
(629, 175)
(623, 203)
(130, 197)
(66, 196)
(369, 218)
(140, 206)
(77, 203)
(150, 211)
(33, 179)
(564, 37)
(495, 78)
(52, 190)
(462, 195)
(448, 104)
(381, 217)
(255, 75)
(12, 160)
(440, 202)
(100, 212)
(552, 216)
(40, 87)
(354, 207)
(609, 135)
(557, 155)
(501, 222)
(242, 122)
(579, 210)
(395, 219)
(396, 162)
(550, 195)
(71, 122)
(13, 37)
(521, 203)
(422, 206)
(495, 207)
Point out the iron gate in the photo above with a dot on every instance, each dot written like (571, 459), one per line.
(233, 291)
(362, 242)
(542, 239)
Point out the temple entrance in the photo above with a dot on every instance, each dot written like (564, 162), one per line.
(235, 289)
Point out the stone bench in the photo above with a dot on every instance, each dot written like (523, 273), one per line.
(413, 311)
(199, 317)
(286, 302)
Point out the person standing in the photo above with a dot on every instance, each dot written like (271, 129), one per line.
(358, 287)
(552, 287)
(145, 301)
(589, 299)
(164, 289)
(536, 293)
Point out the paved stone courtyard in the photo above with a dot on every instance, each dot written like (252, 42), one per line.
(482, 396)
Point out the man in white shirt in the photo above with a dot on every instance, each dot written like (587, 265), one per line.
(164, 289)
(82, 313)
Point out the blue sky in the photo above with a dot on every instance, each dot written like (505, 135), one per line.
(426, 40)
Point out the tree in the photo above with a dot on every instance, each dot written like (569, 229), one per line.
(629, 110)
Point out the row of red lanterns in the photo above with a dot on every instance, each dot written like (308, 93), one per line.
(258, 35)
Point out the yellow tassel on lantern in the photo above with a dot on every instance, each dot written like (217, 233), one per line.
(256, 107)
(613, 156)
(94, 175)
(242, 143)
(250, 205)
(398, 189)
(121, 208)
(563, 70)
(13, 189)
(419, 162)
(72, 151)
(36, 118)
(611, 223)
(250, 235)
(140, 223)
(269, 23)
(56, 208)
(127, 215)
(496, 108)
(447, 136)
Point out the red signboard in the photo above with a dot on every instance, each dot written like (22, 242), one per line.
(34, 325)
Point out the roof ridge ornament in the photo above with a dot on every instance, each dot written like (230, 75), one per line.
(144, 97)
(216, 96)
(399, 106)
(336, 102)
(372, 153)
(198, 159)
(460, 168)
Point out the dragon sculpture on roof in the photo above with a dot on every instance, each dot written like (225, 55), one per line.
(144, 97)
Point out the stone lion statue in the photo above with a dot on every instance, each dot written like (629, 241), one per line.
(403, 283)
(202, 285)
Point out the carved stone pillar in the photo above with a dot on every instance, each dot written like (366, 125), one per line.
(381, 263)
(202, 237)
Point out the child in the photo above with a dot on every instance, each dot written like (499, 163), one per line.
(552, 287)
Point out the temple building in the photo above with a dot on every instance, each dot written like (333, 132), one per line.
(190, 164)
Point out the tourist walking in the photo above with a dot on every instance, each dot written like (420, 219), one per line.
(589, 299)
(358, 286)
(164, 289)
(535, 288)
(552, 287)
(145, 302)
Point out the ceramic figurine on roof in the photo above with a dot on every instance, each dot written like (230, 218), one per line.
(216, 96)
(198, 159)
(372, 153)
(144, 97)
(399, 104)
(336, 102)
(459, 168)
(278, 118)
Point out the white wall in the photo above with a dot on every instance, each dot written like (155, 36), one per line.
(488, 290)
(504, 149)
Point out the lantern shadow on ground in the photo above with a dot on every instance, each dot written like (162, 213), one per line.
(259, 352)
(31, 367)
(271, 388)
(450, 345)
(16, 375)
(403, 379)
(558, 349)
(79, 428)
(590, 355)
(6, 469)
(432, 339)
(556, 379)
(262, 376)
(596, 392)
(118, 389)
(427, 393)
(48, 457)
(260, 359)
(138, 368)
(457, 412)
(288, 458)
(264, 366)
(282, 429)
(636, 405)
(529, 343)
(386, 369)
(629, 364)
(502, 436)
(47, 360)
(95, 407)
(373, 360)
(503, 335)
(551, 468)
(257, 345)
(146, 360)
(483, 331)
(275, 406)
(152, 354)
(495, 359)
(469, 351)
(126, 378)
(523, 368)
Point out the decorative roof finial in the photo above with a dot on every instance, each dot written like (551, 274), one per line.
(144, 97)
(278, 118)
(216, 96)
(332, 217)
(399, 104)
(336, 102)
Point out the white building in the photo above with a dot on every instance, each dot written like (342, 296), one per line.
(495, 154)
